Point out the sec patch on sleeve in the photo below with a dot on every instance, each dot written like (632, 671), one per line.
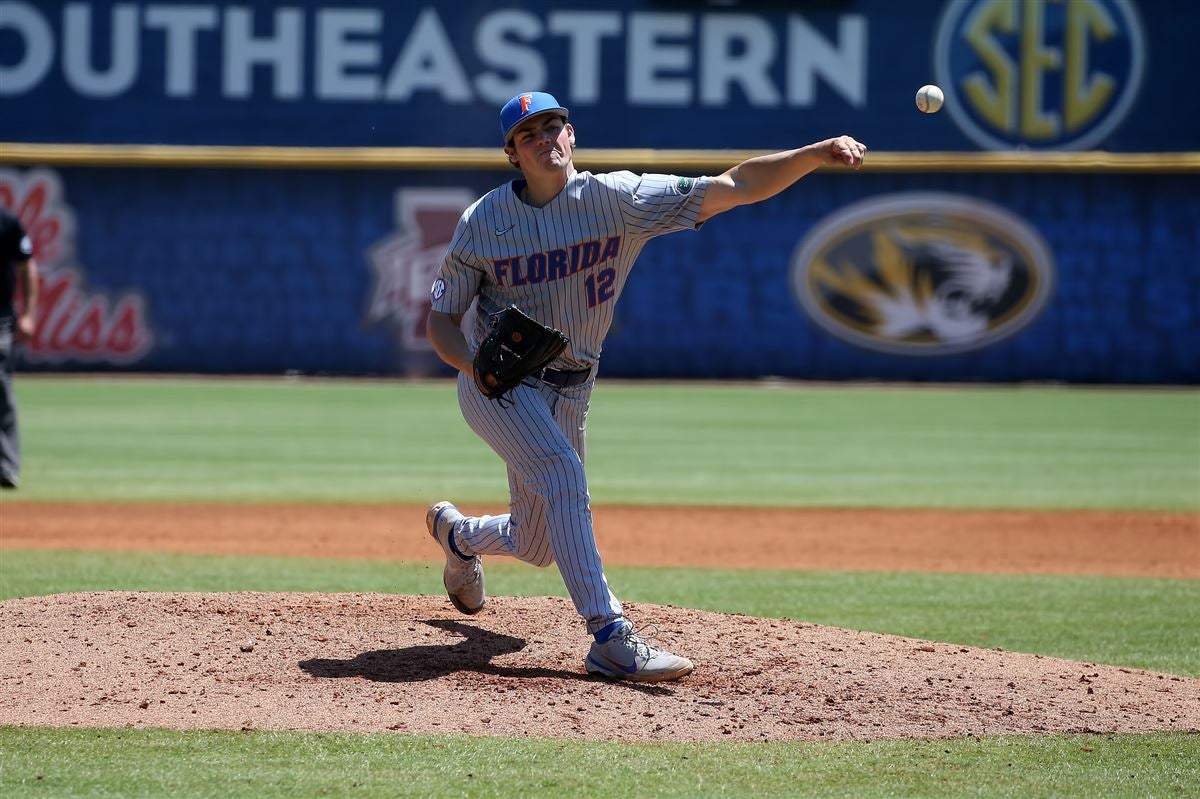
(438, 290)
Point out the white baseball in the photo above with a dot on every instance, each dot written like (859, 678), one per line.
(929, 98)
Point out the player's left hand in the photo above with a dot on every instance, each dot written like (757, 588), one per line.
(516, 346)
(25, 328)
(845, 151)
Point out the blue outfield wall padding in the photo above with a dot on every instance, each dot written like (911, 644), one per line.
(1041, 74)
(992, 277)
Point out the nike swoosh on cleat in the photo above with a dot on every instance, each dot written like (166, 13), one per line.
(627, 669)
(501, 231)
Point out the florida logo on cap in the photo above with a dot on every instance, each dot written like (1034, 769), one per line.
(524, 106)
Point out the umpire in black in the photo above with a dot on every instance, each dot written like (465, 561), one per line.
(17, 268)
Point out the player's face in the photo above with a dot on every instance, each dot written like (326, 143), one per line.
(541, 143)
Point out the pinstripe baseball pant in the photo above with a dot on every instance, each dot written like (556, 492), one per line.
(541, 438)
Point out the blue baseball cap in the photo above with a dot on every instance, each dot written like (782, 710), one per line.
(524, 106)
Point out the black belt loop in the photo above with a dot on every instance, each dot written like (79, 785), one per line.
(563, 378)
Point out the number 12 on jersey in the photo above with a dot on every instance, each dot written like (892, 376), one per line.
(600, 287)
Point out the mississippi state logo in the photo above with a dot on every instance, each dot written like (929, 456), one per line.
(1039, 74)
(406, 262)
(922, 273)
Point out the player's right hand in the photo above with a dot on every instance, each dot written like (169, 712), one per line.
(845, 151)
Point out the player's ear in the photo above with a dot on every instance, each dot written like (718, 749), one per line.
(570, 134)
(511, 152)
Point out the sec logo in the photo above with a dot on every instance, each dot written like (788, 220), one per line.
(922, 273)
(1039, 74)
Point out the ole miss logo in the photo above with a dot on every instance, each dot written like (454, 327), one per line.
(75, 323)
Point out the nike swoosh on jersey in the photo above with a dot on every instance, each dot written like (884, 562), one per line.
(500, 231)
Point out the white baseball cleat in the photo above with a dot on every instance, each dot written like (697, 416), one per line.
(626, 655)
(463, 578)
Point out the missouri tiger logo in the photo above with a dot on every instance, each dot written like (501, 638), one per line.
(922, 273)
(1039, 74)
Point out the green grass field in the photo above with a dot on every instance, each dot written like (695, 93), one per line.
(153, 764)
(669, 444)
(167, 440)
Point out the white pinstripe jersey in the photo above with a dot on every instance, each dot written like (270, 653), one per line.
(564, 264)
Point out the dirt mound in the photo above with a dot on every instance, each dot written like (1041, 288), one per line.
(373, 662)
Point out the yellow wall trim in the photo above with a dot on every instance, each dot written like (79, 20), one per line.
(693, 161)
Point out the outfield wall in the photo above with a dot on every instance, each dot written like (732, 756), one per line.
(1034, 74)
(253, 187)
(998, 275)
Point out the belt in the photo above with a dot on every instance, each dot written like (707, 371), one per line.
(562, 377)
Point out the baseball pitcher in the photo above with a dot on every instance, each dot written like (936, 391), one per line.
(555, 247)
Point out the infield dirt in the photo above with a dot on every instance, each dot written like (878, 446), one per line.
(1014, 542)
(375, 662)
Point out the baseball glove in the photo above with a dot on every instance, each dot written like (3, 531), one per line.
(516, 346)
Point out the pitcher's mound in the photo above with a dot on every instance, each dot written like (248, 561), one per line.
(375, 662)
